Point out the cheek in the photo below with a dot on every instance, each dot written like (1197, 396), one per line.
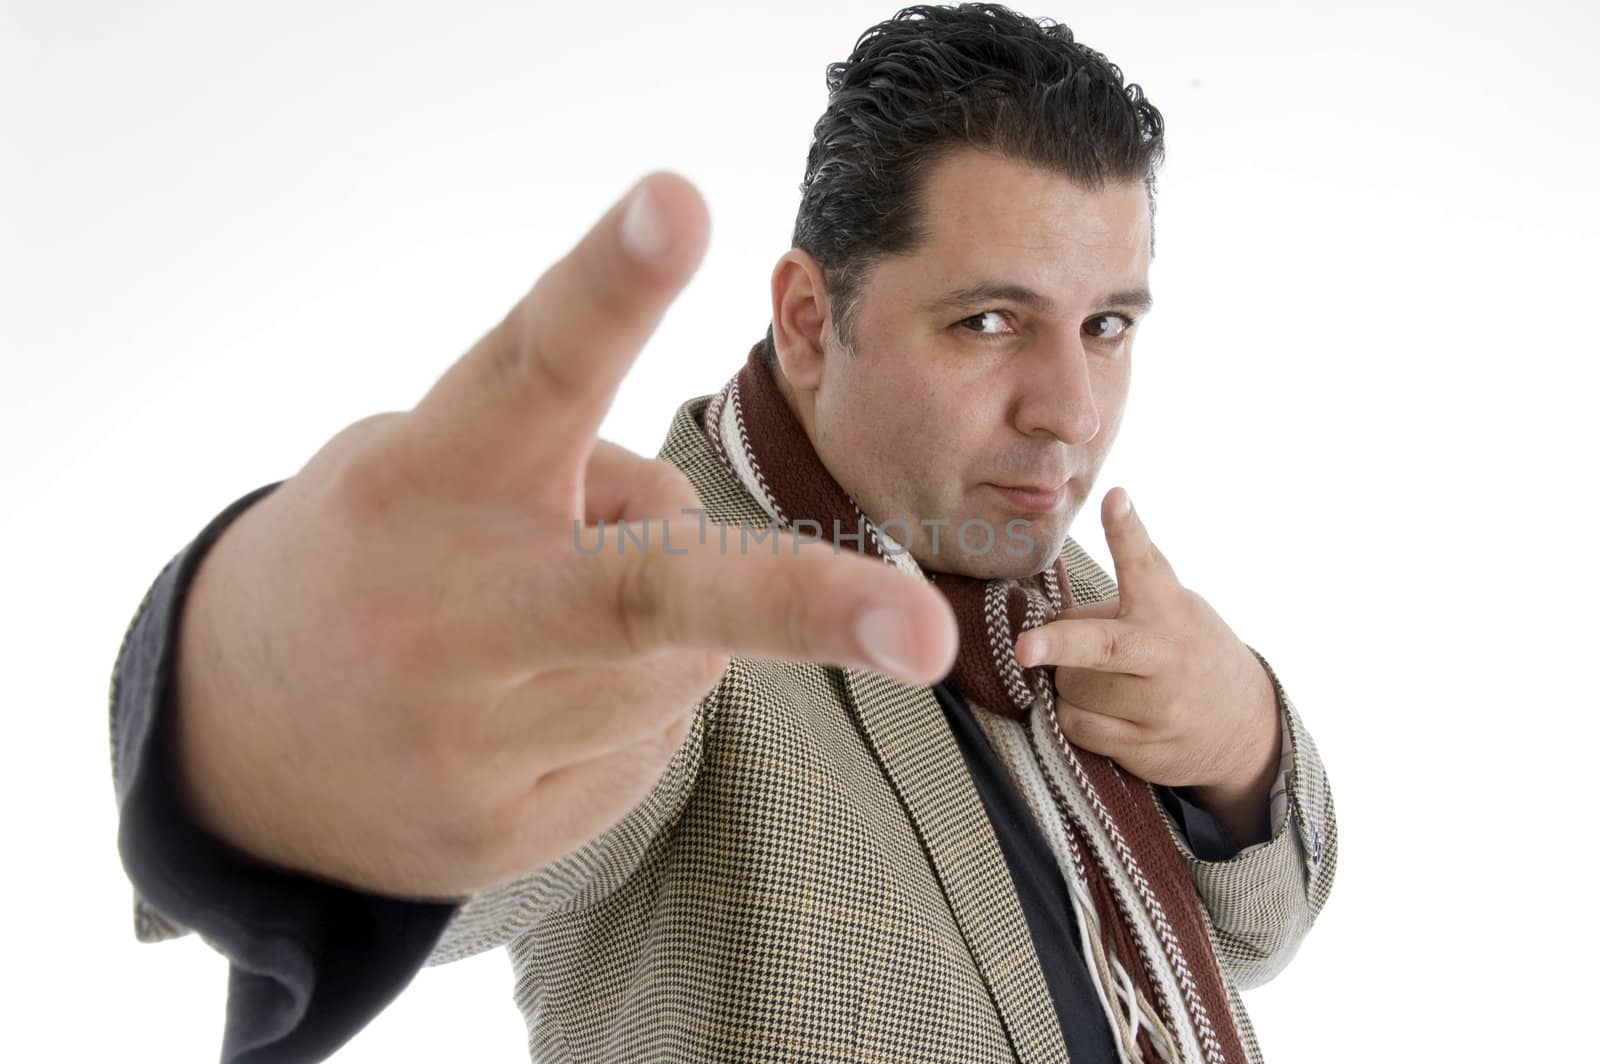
(896, 406)
(935, 424)
(1112, 393)
(899, 447)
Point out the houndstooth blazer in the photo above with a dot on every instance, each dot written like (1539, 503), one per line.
(814, 876)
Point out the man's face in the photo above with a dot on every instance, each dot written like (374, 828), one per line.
(998, 355)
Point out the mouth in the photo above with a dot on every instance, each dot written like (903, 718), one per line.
(1031, 498)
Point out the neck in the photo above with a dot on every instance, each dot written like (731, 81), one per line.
(803, 404)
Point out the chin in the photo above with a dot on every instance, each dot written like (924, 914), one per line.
(1031, 548)
(1007, 560)
(1003, 567)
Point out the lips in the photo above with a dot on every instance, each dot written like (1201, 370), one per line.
(1043, 489)
(1032, 498)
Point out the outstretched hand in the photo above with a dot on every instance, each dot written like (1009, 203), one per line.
(400, 671)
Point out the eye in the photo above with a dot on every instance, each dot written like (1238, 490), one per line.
(987, 324)
(1108, 326)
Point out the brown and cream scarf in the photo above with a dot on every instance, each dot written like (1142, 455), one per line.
(1149, 947)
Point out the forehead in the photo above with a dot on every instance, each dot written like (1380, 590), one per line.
(989, 216)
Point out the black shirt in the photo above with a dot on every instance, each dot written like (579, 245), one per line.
(1041, 889)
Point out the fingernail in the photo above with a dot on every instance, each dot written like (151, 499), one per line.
(642, 233)
(883, 636)
(1127, 505)
(1025, 654)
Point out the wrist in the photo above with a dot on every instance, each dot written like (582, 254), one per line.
(215, 741)
(1241, 798)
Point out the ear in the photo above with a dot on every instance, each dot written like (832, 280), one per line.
(799, 318)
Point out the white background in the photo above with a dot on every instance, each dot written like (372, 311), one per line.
(1359, 422)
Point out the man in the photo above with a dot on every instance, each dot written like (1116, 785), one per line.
(722, 802)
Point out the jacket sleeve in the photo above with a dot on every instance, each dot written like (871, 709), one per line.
(1263, 900)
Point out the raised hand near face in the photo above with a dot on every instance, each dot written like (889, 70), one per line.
(1155, 680)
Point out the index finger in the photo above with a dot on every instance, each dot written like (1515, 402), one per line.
(806, 601)
(1143, 572)
(661, 590)
(530, 395)
(1103, 645)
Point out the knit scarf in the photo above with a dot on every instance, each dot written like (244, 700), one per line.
(1170, 981)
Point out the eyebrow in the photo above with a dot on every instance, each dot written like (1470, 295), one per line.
(996, 291)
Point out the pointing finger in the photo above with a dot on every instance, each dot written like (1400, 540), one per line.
(678, 586)
(1142, 570)
(1101, 645)
(530, 395)
(1031, 651)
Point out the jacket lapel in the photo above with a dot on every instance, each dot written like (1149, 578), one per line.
(912, 742)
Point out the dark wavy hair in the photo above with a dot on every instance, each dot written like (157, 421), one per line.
(934, 79)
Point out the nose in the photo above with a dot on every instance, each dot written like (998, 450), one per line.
(1057, 395)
